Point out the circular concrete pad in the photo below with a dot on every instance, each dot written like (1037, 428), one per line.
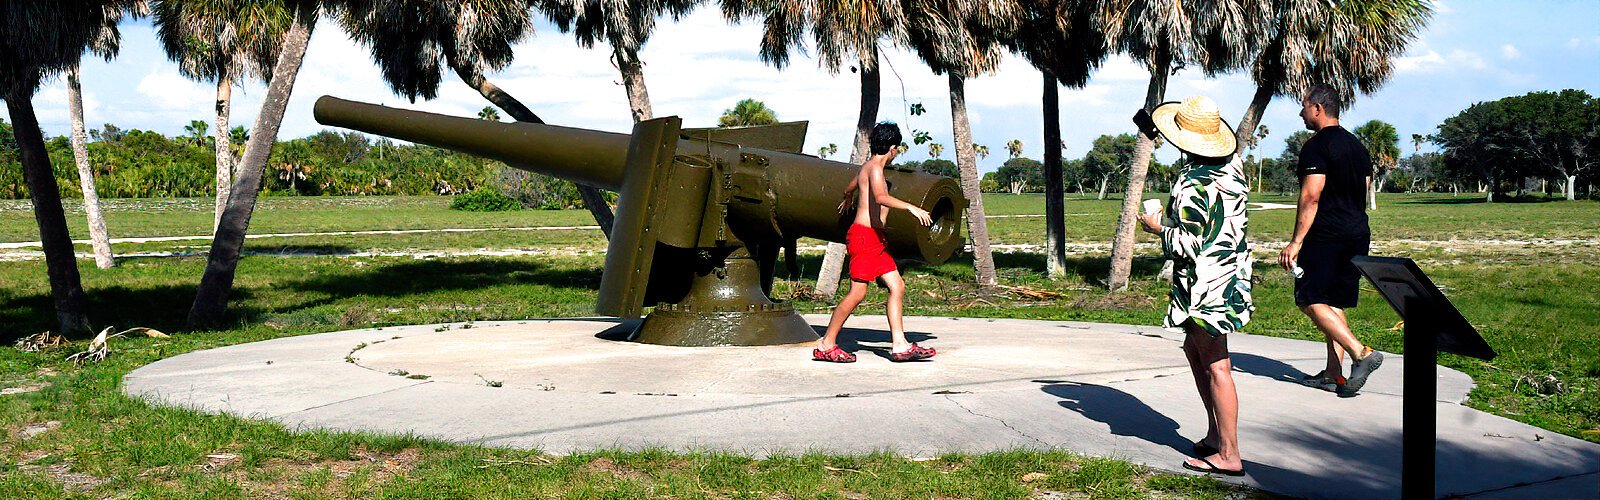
(1107, 390)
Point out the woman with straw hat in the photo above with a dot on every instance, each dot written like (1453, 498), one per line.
(1205, 238)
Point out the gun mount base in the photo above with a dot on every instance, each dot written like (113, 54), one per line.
(725, 307)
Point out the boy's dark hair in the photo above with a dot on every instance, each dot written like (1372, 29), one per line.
(885, 136)
(1326, 96)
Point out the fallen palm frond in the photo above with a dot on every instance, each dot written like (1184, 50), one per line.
(1028, 292)
(40, 341)
(100, 347)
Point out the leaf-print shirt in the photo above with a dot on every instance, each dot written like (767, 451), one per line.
(1206, 239)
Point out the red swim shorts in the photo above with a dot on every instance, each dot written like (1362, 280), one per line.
(869, 253)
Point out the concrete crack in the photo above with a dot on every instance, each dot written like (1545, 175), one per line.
(363, 396)
(1524, 484)
(1002, 422)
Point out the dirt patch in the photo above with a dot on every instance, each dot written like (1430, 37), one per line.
(33, 430)
(62, 473)
(606, 466)
(279, 477)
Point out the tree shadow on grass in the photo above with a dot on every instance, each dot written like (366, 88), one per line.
(1092, 270)
(166, 307)
(1480, 199)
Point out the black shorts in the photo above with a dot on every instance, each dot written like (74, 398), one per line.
(1330, 278)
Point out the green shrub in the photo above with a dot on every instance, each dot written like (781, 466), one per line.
(484, 200)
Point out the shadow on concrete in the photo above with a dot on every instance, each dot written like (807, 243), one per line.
(1266, 367)
(1368, 465)
(850, 339)
(1123, 413)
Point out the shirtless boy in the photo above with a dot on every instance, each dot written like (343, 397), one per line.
(869, 257)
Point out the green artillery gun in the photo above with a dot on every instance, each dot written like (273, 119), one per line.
(701, 213)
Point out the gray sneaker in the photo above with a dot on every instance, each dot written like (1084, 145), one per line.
(1359, 370)
(1321, 380)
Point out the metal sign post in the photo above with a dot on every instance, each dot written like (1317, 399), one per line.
(1432, 325)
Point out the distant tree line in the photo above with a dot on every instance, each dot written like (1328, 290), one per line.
(144, 164)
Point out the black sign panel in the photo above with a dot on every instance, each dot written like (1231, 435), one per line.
(1423, 307)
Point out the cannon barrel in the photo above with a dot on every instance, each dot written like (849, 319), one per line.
(803, 191)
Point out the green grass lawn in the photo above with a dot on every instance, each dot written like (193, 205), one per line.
(1535, 303)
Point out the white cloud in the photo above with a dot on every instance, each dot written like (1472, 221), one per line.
(1509, 51)
(168, 91)
(1431, 61)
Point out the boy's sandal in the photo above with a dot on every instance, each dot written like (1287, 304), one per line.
(834, 355)
(915, 353)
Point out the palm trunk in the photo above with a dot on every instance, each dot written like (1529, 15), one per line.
(633, 81)
(98, 238)
(1252, 114)
(66, 289)
(224, 146)
(1055, 224)
(1122, 243)
(211, 297)
(593, 198)
(866, 118)
(967, 163)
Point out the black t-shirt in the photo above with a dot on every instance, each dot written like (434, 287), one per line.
(1339, 155)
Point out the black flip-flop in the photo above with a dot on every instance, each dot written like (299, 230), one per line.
(1212, 468)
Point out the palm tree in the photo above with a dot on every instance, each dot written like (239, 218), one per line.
(1350, 45)
(1163, 36)
(961, 39)
(489, 113)
(826, 151)
(105, 45)
(1383, 145)
(39, 40)
(624, 24)
(225, 41)
(1061, 39)
(747, 113)
(1416, 143)
(414, 42)
(981, 150)
(840, 29)
(197, 131)
(211, 297)
(935, 149)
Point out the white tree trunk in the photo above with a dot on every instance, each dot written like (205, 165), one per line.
(1103, 181)
(98, 238)
(222, 135)
(1572, 187)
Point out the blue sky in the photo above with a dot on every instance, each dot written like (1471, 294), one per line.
(1472, 51)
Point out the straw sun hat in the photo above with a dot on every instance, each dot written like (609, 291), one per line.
(1195, 127)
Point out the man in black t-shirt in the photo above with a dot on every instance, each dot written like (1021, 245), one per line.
(1330, 229)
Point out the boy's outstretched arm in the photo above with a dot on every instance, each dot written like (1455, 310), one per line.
(850, 194)
(880, 193)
